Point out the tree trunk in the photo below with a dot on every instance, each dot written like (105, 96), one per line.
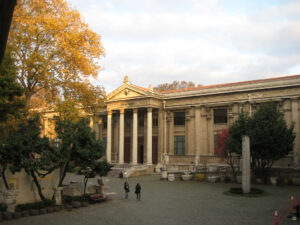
(85, 182)
(37, 185)
(4, 177)
(63, 174)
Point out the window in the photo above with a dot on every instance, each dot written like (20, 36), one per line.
(141, 122)
(104, 141)
(179, 145)
(104, 122)
(179, 118)
(155, 122)
(220, 116)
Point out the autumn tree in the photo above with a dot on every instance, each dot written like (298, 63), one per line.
(52, 47)
(175, 85)
(223, 151)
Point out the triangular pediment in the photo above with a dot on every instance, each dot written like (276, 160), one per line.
(127, 91)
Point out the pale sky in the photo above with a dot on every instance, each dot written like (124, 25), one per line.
(204, 41)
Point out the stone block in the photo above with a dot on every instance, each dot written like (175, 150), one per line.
(50, 209)
(213, 179)
(43, 211)
(171, 177)
(8, 215)
(186, 177)
(17, 215)
(34, 212)
(25, 213)
(76, 204)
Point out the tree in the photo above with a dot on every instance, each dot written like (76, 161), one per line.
(92, 169)
(223, 151)
(175, 85)
(78, 146)
(27, 150)
(52, 46)
(270, 138)
(10, 90)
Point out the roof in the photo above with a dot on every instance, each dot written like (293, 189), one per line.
(231, 84)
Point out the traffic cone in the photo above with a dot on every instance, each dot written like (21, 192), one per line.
(276, 218)
(293, 209)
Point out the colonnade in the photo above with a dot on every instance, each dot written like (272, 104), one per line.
(134, 158)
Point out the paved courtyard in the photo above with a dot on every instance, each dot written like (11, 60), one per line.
(172, 203)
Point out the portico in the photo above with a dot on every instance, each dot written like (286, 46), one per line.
(131, 137)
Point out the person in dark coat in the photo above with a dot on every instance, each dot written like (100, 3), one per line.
(126, 188)
(138, 191)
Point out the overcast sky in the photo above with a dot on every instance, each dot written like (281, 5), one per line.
(204, 41)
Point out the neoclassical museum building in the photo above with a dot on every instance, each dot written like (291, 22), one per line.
(179, 127)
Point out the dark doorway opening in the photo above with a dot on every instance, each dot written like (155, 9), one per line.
(127, 142)
(141, 150)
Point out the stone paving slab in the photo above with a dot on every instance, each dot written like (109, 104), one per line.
(172, 203)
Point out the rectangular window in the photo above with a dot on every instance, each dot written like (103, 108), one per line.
(141, 122)
(179, 145)
(155, 122)
(104, 122)
(220, 116)
(104, 141)
(179, 118)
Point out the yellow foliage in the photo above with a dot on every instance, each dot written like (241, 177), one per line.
(52, 46)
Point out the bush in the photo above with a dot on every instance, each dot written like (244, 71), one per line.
(227, 179)
(70, 199)
(3, 207)
(35, 205)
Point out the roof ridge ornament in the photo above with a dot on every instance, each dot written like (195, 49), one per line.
(126, 80)
(150, 88)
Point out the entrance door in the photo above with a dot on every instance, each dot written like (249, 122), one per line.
(127, 149)
(154, 149)
(141, 150)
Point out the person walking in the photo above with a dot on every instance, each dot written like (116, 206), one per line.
(126, 188)
(138, 191)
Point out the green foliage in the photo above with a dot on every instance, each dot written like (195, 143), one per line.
(35, 205)
(70, 199)
(3, 207)
(79, 145)
(270, 138)
(10, 90)
(27, 150)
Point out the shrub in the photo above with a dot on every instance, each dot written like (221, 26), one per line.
(35, 205)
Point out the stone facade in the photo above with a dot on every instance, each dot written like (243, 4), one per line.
(141, 126)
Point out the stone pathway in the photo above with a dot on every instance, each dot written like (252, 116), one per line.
(172, 203)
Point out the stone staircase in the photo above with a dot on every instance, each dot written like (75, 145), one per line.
(129, 170)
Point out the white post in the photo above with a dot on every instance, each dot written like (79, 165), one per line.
(121, 138)
(246, 164)
(108, 139)
(149, 136)
(135, 136)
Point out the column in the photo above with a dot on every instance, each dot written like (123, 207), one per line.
(135, 136)
(149, 136)
(91, 122)
(108, 139)
(197, 135)
(295, 119)
(121, 137)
